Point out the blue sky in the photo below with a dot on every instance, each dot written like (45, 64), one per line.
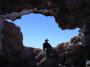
(36, 28)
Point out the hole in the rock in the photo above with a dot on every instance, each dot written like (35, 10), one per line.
(36, 28)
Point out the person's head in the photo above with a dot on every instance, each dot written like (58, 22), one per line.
(46, 40)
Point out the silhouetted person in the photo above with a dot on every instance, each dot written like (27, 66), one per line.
(51, 53)
(47, 48)
(46, 45)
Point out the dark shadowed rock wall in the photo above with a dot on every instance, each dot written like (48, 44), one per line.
(14, 54)
(12, 51)
(69, 14)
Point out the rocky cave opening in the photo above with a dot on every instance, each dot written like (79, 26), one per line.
(68, 14)
(37, 27)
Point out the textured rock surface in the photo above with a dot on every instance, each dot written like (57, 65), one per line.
(1, 35)
(14, 54)
(69, 14)
(12, 35)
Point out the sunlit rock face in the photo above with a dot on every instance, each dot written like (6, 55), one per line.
(65, 54)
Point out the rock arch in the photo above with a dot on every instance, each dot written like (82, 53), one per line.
(68, 14)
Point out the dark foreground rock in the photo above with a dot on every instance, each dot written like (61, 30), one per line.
(69, 14)
(14, 54)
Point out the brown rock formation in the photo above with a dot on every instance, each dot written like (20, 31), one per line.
(12, 52)
(12, 35)
(69, 14)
